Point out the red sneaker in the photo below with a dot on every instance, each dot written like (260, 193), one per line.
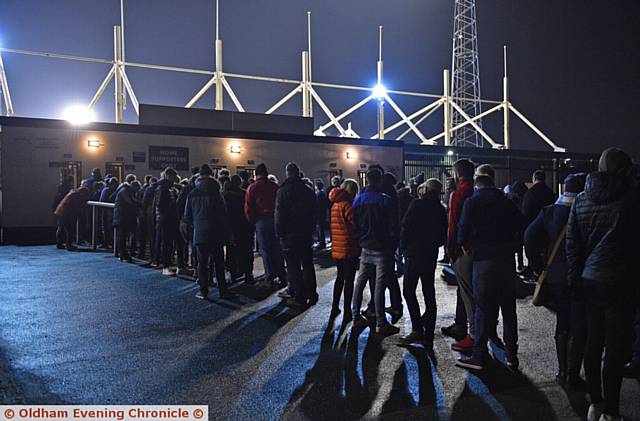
(470, 363)
(466, 344)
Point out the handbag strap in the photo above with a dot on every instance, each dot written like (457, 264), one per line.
(556, 246)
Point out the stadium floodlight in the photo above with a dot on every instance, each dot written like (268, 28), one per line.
(78, 114)
(379, 91)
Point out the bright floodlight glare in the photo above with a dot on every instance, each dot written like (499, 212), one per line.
(77, 114)
(379, 91)
(450, 152)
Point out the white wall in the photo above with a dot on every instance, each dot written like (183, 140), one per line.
(29, 183)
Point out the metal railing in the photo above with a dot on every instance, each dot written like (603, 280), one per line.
(95, 205)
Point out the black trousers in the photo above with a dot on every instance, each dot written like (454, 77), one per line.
(168, 233)
(126, 241)
(421, 268)
(609, 325)
(301, 273)
(345, 280)
(239, 258)
(210, 261)
(65, 231)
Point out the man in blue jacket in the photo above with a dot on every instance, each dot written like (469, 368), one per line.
(490, 229)
(377, 231)
(206, 212)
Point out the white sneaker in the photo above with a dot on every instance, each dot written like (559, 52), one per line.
(169, 271)
(594, 413)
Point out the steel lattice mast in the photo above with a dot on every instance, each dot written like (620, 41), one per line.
(465, 72)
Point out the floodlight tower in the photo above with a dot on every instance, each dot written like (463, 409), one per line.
(465, 72)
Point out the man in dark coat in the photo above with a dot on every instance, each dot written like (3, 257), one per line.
(185, 231)
(540, 237)
(150, 220)
(240, 251)
(490, 229)
(125, 214)
(537, 197)
(601, 241)
(295, 222)
(167, 218)
(108, 195)
(423, 231)
(206, 211)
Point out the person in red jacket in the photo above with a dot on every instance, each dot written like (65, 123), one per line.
(259, 207)
(68, 211)
(462, 264)
(345, 249)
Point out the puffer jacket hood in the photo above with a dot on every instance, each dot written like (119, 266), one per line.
(208, 184)
(337, 195)
(606, 187)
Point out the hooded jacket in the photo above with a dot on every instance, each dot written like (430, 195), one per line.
(295, 211)
(463, 191)
(206, 212)
(424, 227)
(343, 236)
(603, 232)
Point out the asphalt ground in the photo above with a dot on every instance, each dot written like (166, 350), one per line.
(83, 328)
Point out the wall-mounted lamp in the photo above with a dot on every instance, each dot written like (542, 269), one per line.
(351, 155)
(235, 149)
(450, 152)
(93, 143)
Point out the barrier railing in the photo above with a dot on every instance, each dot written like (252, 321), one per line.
(95, 205)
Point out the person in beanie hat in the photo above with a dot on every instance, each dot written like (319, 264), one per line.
(601, 247)
(539, 239)
(259, 209)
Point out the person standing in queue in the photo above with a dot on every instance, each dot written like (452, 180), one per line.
(241, 249)
(377, 230)
(423, 232)
(259, 208)
(601, 247)
(461, 263)
(125, 218)
(206, 211)
(539, 238)
(294, 223)
(491, 228)
(167, 219)
(344, 248)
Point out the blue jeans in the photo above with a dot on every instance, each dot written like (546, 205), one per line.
(270, 248)
(373, 265)
(494, 288)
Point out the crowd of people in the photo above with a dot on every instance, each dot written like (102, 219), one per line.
(583, 240)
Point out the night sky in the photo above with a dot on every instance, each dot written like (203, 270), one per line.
(573, 64)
